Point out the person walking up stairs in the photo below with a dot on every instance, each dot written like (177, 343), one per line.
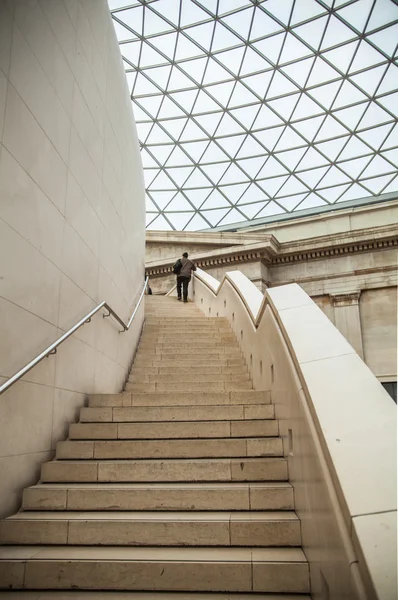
(177, 484)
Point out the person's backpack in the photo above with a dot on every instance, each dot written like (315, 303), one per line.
(177, 267)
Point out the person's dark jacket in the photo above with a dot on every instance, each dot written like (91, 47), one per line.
(187, 267)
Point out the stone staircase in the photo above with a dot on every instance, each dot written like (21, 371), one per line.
(178, 484)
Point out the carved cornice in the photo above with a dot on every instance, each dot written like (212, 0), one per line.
(347, 299)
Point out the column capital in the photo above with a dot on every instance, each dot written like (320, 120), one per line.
(346, 299)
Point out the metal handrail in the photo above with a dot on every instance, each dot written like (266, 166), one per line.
(53, 348)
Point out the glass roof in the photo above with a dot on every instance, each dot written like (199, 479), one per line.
(248, 109)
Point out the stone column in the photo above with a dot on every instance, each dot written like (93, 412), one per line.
(347, 318)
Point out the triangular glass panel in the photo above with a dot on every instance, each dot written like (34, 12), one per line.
(378, 166)
(234, 192)
(149, 176)
(215, 216)
(336, 33)
(215, 172)
(272, 185)
(179, 174)
(312, 32)
(179, 219)
(354, 17)
(285, 106)
(153, 24)
(150, 57)
(321, 73)
(291, 202)
(374, 116)
(186, 48)
(194, 68)
(291, 158)
(333, 177)
(215, 200)
(354, 166)
(251, 210)
(213, 154)
(149, 205)
(293, 49)
(221, 92)
(311, 201)
(192, 132)
(376, 136)
(185, 99)
(162, 199)
(330, 129)
(272, 168)
(233, 216)
(354, 148)
(259, 83)
(251, 166)
(131, 52)
(233, 175)
(223, 38)
(306, 108)
(179, 203)
(232, 59)
(266, 118)
(197, 196)
(280, 86)
(191, 14)
(240, 22)
(162, 182)
(299, 71)
(384, 13)
(347, 95)
(280, 10)
(204, 103)
(143, 129)
(122, 33)
(179, 80)
(325, 94)
(341, 57)
(144, 87)
(366, 57)
(159, 75)
(133, 17)
(178, 158)
(392, 156)
(229, 126)
(241, 96)
(202, 34)
(215, 73)
(270, 47)
(269, 137)
(390, 102)
(165, 44)
(290, 139)
(169, 109)
(350, 116)
(392, 187)
(353, 193)
(306, 10)
(147, 160)
(209, 122)
(309, 127)
(246, 115)
(195, 149)
(253, 62)
(312, 177)
(292, 186)
(392, 139)
(312, 159)
(390, 79)
(271, 209)
(263, 25)
(377, 184)
(158, 136)
(231, 144)
(333, 193)
(226, 6)
(197, 223)
(159, 224)
(169, 10)
(333, 148)
(253, 194)
(386, 40)
(196, 180)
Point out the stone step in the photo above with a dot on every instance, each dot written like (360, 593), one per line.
(189, 386)
(199, 334)
(152, 414)
(208, 370)
(190, 377)
(177, 342)
(188, 398)
(164, 449)
(152, 529)
(177, 470)
(85, 595)
(178, 430)
(195, 350)
(187, 361)
(147, 568)
(159, 496)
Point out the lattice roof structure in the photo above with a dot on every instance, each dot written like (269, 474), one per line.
(251, 109)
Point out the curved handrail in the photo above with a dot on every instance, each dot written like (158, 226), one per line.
(52, 349)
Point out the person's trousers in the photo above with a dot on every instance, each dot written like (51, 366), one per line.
(183, 282)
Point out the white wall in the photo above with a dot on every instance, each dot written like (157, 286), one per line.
(71, 221)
